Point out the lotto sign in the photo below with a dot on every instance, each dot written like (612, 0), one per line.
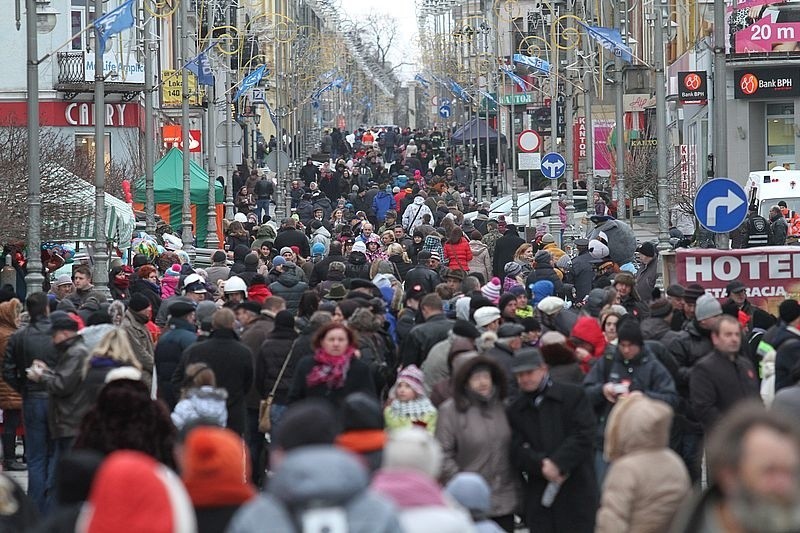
(172, 135)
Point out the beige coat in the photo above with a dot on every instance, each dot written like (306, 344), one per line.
(646, 481)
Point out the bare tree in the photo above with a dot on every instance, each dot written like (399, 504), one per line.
(67, 200)
(379, 33)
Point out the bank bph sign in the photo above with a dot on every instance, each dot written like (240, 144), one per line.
(766, 83)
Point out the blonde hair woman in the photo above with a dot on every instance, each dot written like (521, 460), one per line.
(113, 351)
(399, 258)
(387, 239)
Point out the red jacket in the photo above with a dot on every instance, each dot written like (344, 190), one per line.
(258, 293)
(588, 330)
(459, 255)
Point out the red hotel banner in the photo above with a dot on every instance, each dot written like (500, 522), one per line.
(771, 273)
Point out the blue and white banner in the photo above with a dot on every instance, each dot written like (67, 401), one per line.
(610, 40)
(200, 66)
(516, 79)
(272, 114)
(328, 75)
(338, 82)
(251, 80)
(348, 88)
(114, 22)
(487, 96)
(534, 62)
(459, 91)
(425, 83)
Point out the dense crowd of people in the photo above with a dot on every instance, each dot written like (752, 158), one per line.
(384, 365)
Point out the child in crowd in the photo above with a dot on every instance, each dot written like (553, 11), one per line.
(409, 404)
(201, 400)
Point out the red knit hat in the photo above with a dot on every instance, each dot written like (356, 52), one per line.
(131, 493)
(216, 468)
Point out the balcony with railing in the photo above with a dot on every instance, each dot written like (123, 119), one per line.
(76, 75)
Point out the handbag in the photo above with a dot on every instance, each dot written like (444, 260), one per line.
(265, 406)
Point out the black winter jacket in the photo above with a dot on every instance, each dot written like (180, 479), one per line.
(358, 379)
(289, 287)
(271, 356)
(232, 364)
(717, 383)
(169, 350)
(424, 276)
(415, 347)
(557, 424)
(31, 342)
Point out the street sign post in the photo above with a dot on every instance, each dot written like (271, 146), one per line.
(529, 141)
(720, 205)
(553, 166)
(444, 111)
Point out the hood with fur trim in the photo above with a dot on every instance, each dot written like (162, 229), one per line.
(637, 423)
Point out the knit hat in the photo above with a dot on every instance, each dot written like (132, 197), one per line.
(595, 301)
(215, 471)
(278, 261)
(492, 290)
(285, 250)
(512, 269)
(548, 238)
(551, 305)
(138, 302)
(173, 271)
(251, 259)
(629, 330)
(218, 257)
(307, 422)
(413, 377)
(647, 248)
(63, 279)
(464, 328)
(361, 411)
(789, 310)
(517, 290)
(62, 321)
(660, 308)
(707, 307)
(133, 492)
(413, 448)
(552, 337)
(471, 491)
(485, 316)
(317, 248)
(359, 246)
(203, 313)
(543, 257)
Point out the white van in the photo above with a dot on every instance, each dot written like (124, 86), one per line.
(767, 188)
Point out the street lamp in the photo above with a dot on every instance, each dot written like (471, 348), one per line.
(41, 18)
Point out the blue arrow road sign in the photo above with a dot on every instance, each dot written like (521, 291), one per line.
(444, 111)
(720, 205)
(553, 166)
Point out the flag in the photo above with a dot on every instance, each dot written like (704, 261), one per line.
(250, 81)
(516, 79)
(272, 114)
(487, 96)
(328, 75)
(425, 83)
(201, 67)
(337, 82)
(533, 62)
(113, 23)
(348, 88)
(459, 91)
(610, 40)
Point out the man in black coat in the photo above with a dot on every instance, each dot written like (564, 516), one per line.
(290, 236)
(722, 378)
(309, 172)
(504, 249)
(436, 328)
(231, 361)
(422, 274)
(320, 271)
(552, 427)
(582, 271)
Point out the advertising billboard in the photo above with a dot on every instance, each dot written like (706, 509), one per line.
(763, 27)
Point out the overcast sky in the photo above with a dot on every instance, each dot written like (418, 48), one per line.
(404, 10)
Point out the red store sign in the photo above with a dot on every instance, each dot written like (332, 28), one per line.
(75, 114)
(579, 134)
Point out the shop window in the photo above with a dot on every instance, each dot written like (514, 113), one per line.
(780, 135)
(85, 147)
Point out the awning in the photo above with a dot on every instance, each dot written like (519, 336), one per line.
(79, 226)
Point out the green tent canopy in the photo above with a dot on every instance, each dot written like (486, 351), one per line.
(168, 186)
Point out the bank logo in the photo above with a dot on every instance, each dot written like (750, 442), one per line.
(748, 84)
(692, 82)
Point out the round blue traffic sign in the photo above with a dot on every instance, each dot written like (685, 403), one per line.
(553, 165)
(444, 111)
(720, 205)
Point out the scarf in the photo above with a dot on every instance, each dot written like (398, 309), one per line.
(362, 440)
(121, 284)
(414, 409)
(330, 370)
